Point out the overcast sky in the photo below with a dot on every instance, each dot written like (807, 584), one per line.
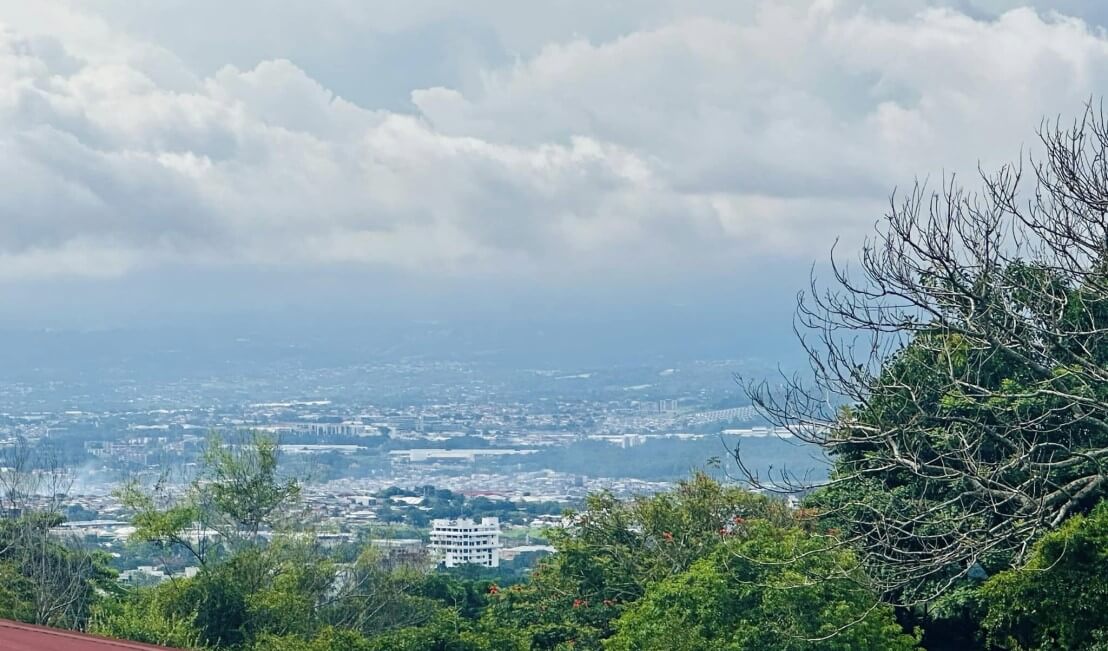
(154, 153)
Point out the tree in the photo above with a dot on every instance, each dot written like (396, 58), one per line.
(445, 632)
(960, 375)
(329, 639)
(262, 578)
(373, 595)
(47, 579)
(52, 582)
(16, 601)
(1059, 600)
(237, 495)
(748, 595)
(159, 615)
(615, 552)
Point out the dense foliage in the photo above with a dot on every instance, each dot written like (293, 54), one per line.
(1059, 600)
(959, 384)
(740, 598)
(622, 570)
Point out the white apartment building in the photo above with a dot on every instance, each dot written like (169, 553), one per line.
(462, 541)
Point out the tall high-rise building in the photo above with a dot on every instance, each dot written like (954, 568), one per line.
(462, 541)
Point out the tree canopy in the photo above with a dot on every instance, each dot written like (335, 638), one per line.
(959, 378)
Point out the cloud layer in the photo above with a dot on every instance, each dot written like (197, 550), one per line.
(679, 143)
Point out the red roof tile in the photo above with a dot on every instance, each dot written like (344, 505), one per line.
(24, 637)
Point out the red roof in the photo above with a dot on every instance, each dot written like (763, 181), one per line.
(24, 637)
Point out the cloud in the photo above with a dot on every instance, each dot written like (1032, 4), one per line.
(680, 144)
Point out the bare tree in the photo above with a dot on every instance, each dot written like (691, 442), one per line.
(960, 371)
(374, 593)
(57, 574)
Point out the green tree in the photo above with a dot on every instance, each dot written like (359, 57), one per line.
(445, 632)
(468, 597)
(49, 580)
(45, 577)
(617, 552)
(960, 370)
(262, 578)
(237, 494)
(768, 587)
(16, 597)
(329, 639)
(162, 615)
(1059, 599)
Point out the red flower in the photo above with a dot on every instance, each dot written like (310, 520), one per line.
(667, 536)
(493, 589)
(739, 519)
(577, 603)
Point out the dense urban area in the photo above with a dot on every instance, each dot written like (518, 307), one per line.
(386, 472)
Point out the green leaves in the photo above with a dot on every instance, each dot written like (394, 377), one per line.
(703, 567)
(769, 587)
(237, 495)
(166, 525)
(17, 594)
(243, 485)
(160, 615)
(45, 581)
(1060, 599)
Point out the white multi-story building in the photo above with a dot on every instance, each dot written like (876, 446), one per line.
(462, 541)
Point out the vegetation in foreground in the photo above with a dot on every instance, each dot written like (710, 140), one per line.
(703, 565)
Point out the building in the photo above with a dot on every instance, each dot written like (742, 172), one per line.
(24, 637)
(422, 455)
(463, 541)
(145, 575)
(398, 552)
(512, 553)
(318, 448)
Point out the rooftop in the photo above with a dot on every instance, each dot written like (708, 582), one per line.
(15, 636)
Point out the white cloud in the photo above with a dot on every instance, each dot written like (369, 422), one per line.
(683, 142)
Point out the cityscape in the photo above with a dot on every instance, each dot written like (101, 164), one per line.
(369, 469)
(744, 325)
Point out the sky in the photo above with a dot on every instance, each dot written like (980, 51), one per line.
(172, 159)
